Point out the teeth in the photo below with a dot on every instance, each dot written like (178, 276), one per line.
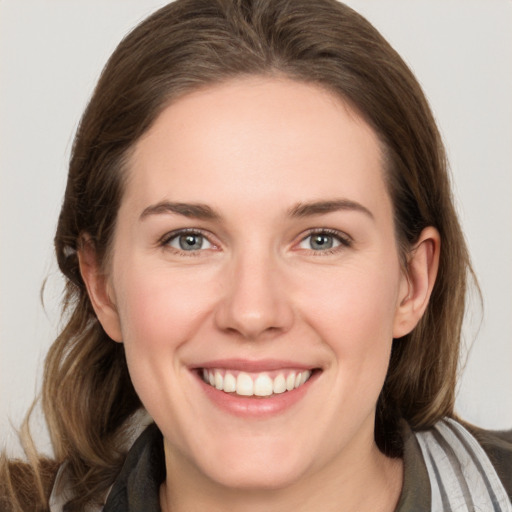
(219, 380)
(290, 382)
(244, 385)
(279, 384)
(229, 383)
(261, 384)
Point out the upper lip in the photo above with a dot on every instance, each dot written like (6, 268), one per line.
(261, 365)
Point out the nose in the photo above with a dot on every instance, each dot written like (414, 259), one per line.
(254, 302)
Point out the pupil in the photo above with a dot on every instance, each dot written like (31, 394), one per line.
(321, 242)
(188, 242)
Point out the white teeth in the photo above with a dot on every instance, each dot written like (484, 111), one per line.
(290, 382)
(219, 380)
(279, 384)
(229, 383)
(245, 384)
(304, 377)
(263, 385)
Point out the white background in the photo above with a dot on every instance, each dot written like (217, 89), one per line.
(51, 53)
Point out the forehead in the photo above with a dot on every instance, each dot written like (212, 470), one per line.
(257, 138)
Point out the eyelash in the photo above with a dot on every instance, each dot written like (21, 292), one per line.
(164, 242)
(344, 241)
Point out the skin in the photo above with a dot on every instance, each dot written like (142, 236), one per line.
(252, 150)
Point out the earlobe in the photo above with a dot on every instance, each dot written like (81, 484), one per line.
(97, 286)
(422, 267)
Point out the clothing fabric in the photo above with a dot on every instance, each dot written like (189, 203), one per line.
(461, 475)
(446, 469)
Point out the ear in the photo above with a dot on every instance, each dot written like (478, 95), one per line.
(99, 289)
(418, 281)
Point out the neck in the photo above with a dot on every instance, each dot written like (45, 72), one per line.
(372, 482)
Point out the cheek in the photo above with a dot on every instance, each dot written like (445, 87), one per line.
(353, 313)
(160, 312)
(352, 303)
(161, 309)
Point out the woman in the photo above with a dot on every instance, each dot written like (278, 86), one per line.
(261, 252)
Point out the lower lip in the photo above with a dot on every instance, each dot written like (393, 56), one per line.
(255, 406)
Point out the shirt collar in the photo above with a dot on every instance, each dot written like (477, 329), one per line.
(137, 487)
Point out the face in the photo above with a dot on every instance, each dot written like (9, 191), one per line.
(255, 281)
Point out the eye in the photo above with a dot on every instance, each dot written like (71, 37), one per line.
(321, 241)
(188, 241)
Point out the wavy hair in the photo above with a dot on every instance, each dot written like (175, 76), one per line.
(88, 398)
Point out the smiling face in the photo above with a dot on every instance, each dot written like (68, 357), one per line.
(256, 284)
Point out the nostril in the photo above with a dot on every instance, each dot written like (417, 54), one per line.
(254, 304)
(253, 323)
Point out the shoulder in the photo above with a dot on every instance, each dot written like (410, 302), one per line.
(139, 441)
(467, 465)
(497, 444)
(137, 486)
(453, 463)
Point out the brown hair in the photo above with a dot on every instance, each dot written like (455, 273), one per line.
(88, 397)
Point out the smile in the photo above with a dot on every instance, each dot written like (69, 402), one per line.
(255, 384)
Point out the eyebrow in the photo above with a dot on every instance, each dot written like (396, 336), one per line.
(205, 212)
(191, 210)
(323, 207)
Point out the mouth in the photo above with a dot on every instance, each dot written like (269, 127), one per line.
(255, 389)
(255, 384)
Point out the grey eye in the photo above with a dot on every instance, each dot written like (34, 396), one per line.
(189, 242)
(320, 242)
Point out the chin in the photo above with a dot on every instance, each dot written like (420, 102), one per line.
(259, 468)
(257, 478)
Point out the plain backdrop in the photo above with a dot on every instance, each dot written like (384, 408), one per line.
(51, 54)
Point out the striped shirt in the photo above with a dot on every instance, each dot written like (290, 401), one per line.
(448, 468)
